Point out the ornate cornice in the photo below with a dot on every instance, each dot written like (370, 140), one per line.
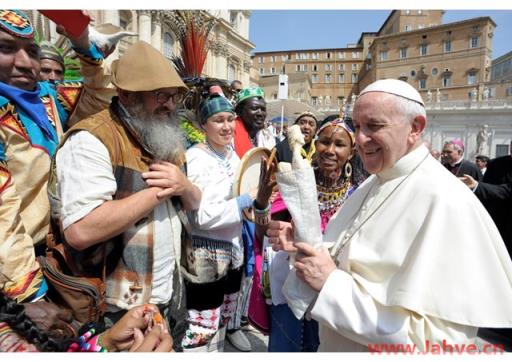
(158, 15)
(219, 48)
(144, 12)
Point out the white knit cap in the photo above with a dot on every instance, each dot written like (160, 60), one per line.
(396, 87)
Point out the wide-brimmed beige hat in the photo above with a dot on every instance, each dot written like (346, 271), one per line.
(143, 68)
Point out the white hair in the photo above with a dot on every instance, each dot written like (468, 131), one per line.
(409, 109)
(162, 137)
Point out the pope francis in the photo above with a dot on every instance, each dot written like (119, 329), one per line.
(413, 257)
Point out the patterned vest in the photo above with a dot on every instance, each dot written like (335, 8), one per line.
(129, 255)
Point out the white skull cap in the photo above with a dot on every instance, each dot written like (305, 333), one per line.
(396, 87)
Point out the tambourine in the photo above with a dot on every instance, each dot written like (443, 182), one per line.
(248, 175)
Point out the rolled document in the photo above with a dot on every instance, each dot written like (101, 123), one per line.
(297, 185)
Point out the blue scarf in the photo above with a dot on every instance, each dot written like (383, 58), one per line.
(30, 103)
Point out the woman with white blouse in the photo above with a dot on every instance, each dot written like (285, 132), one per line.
(214, 253)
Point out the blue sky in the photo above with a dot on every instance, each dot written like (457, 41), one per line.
(309, 29)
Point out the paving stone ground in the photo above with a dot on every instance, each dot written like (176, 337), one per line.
(258, 341)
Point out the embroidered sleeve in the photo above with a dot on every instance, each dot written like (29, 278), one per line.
(68, 94)
(93, 55)
(96, 91)
(20, 276)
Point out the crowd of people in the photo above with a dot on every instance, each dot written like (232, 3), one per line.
(414, 251)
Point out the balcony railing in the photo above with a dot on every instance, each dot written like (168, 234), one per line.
(495, 104)
(469, 105)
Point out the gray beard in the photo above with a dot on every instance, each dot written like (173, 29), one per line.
(160, 135)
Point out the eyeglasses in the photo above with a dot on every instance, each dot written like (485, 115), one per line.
(163, 97)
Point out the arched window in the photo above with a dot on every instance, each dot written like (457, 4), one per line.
(231, 73)
(168, 45)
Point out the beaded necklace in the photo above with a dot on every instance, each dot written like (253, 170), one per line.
(331, 193)
(222, 159)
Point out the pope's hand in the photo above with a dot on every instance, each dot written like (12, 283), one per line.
(313, 266)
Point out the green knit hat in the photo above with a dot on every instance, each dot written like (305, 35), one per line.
(247, 93)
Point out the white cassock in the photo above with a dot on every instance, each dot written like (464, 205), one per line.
(419, 259)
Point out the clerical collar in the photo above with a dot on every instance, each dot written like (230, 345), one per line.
(405, 165)
(458, 162)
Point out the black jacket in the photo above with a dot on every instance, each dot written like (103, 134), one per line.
(465, 168)
(495, 193)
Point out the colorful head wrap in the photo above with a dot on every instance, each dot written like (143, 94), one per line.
(17, 23)
(213, 105)
(457, 142)
(338, 122)
(247, 93)
(50, 51)
(306, 114)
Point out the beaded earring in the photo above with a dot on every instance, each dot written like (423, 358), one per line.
(348, 170)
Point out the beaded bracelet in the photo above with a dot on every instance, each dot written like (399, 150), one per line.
(88, 342)
(259, 211)
(262, 219)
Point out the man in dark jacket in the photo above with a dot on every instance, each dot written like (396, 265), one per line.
(495, 193)
(453, 160)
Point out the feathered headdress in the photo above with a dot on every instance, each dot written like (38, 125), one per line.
(192, 28)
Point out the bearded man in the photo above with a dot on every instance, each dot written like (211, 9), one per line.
(116, 174)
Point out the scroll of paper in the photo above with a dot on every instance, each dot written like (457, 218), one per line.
(297, 185)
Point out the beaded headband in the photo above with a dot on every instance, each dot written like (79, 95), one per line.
(338, 122)
(304, 114)
(16, 23)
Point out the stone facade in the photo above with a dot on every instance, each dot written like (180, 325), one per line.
(449, 64)
(454, 58)
(500, 86)
(332, 73)
(299, 87)
(229, 57)
(457, 119)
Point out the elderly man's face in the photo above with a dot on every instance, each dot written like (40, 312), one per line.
(19, 61)
(450, 154)
(382, 135)
(51, 71)
(158, 103)
(154, 120)
(254, 113)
